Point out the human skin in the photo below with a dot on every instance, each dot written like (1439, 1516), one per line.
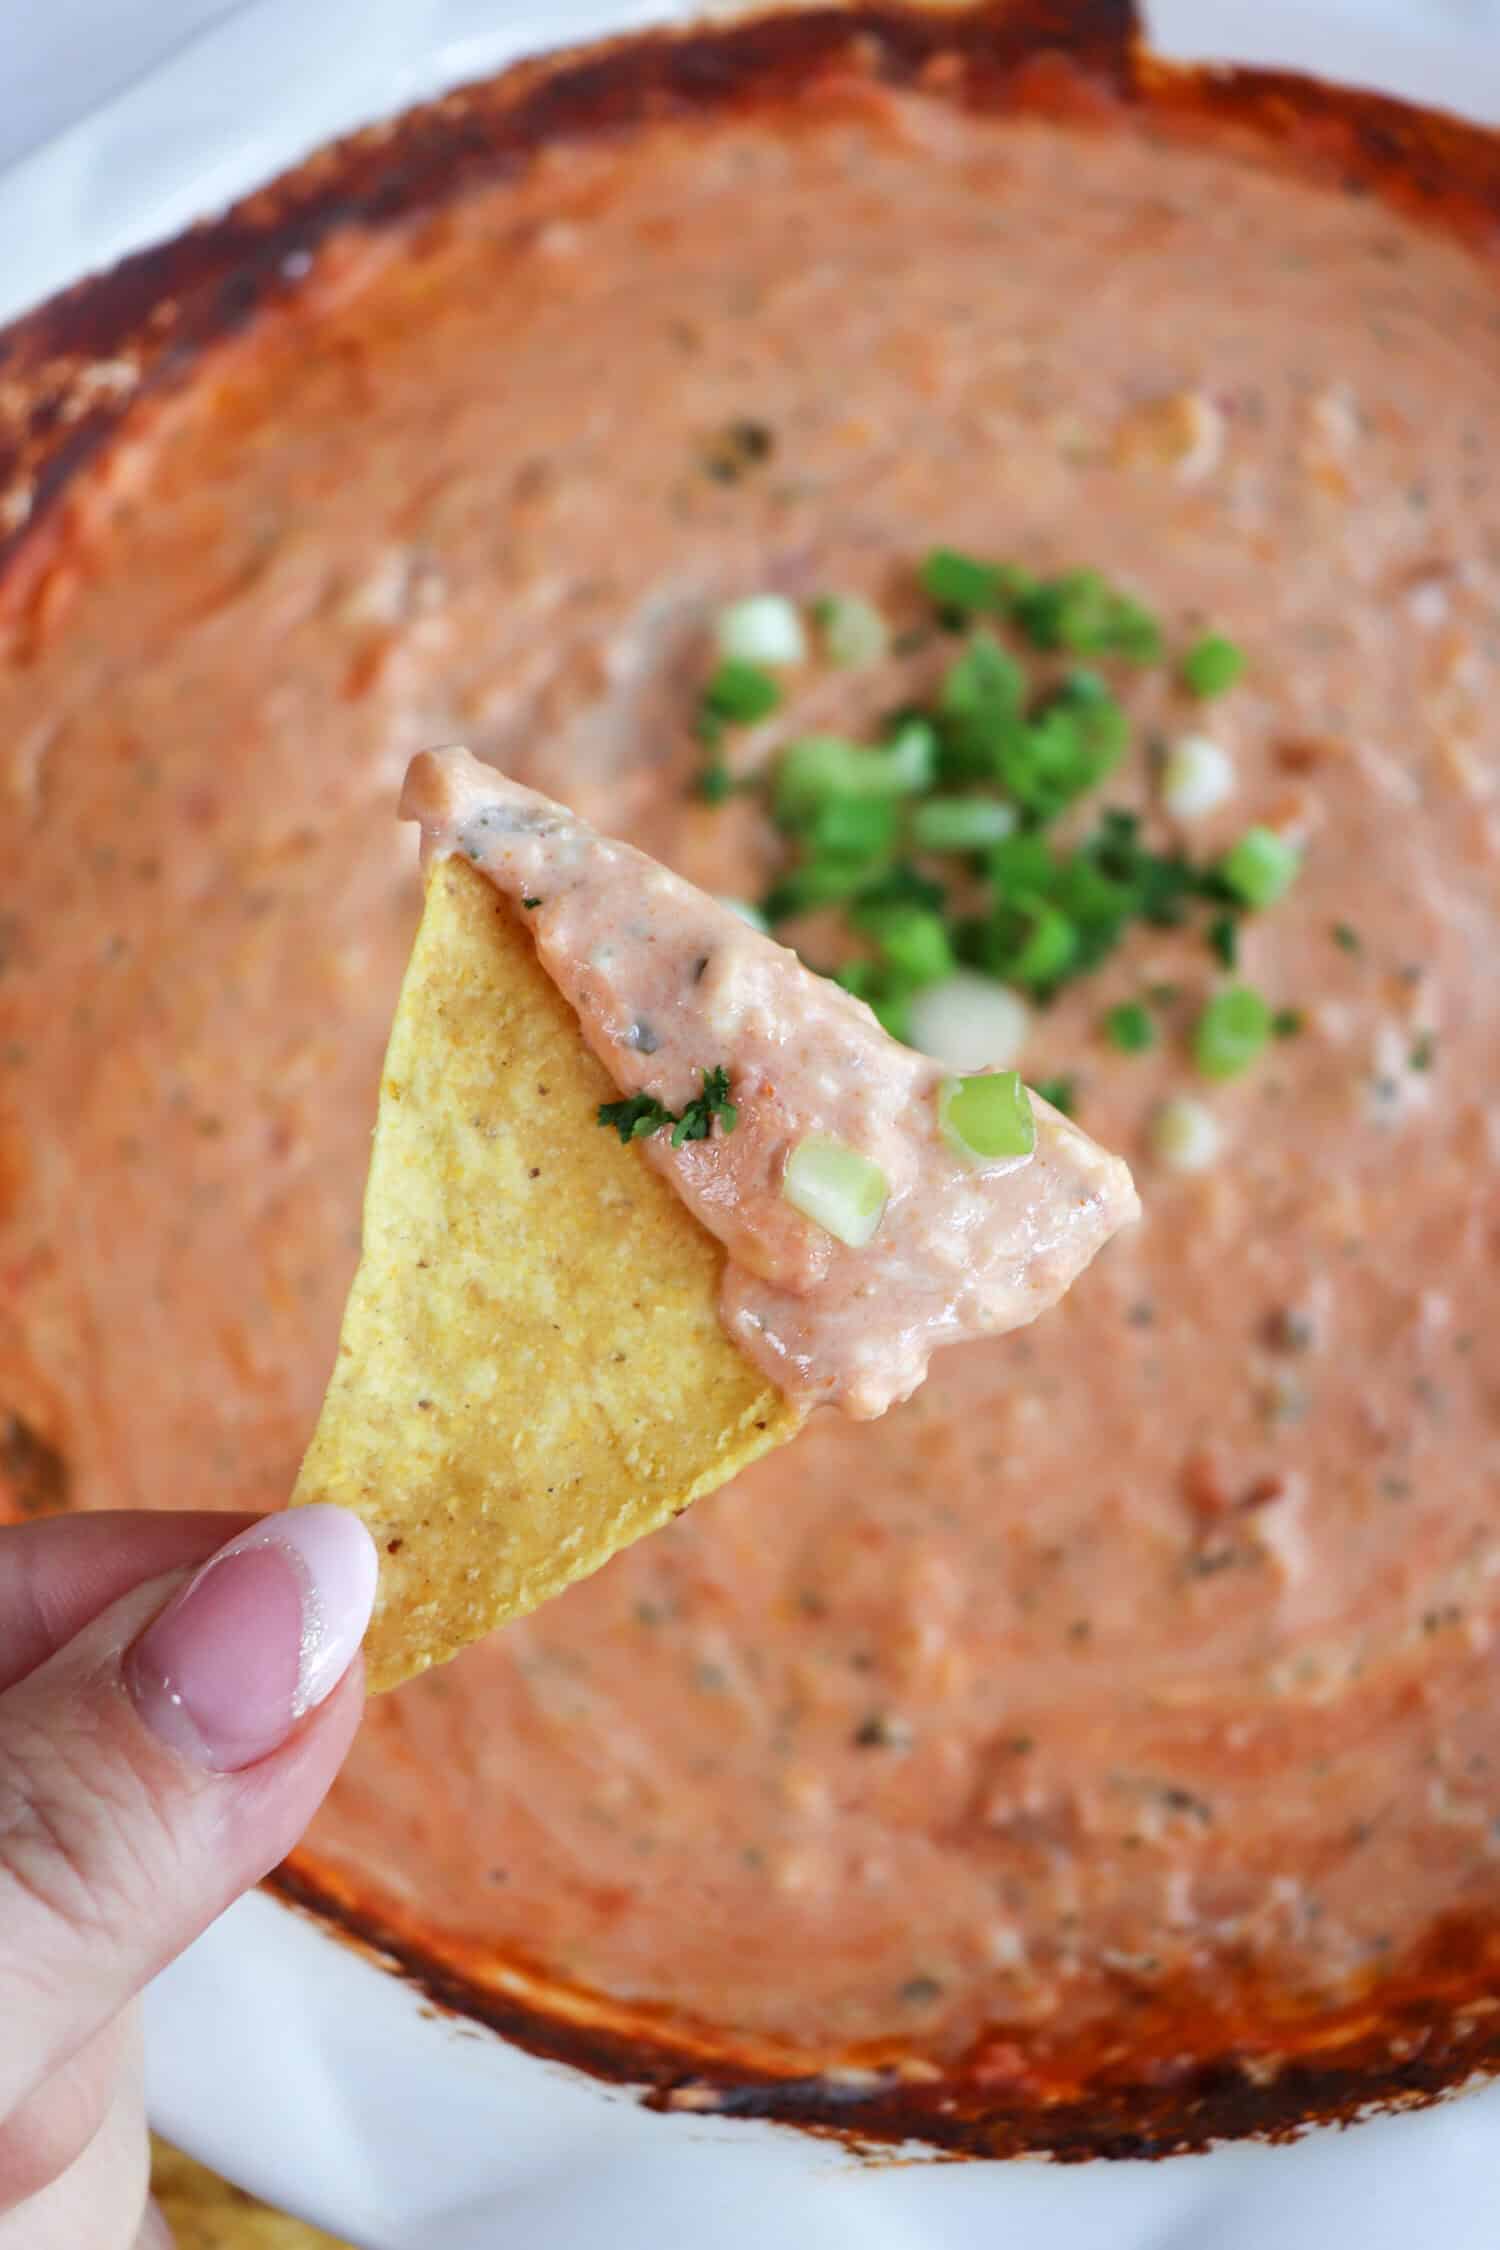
(177, 1691)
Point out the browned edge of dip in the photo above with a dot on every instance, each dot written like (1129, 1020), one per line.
(73, 372)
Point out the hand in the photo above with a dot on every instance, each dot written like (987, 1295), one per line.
(172, 1710)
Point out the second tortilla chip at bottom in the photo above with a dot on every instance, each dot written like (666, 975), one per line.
(532, 1370)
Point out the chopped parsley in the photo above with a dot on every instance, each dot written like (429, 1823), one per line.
(1424, 1048)
(1345, 935)
(641, 1115)
(636, 1118)
(697, 1120)
(529, 903)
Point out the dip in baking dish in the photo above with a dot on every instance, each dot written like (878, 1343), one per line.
(1146, 1660)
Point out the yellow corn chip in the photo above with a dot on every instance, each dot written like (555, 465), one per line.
(206, 2213)
(532, 1370)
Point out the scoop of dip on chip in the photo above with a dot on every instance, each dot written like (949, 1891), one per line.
(551, 1345)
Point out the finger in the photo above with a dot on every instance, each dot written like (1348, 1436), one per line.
(99, 2202)
(56, 1576)
(161, 1763)
(53, 2127)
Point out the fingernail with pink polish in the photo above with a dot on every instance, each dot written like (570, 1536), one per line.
(257, 1638)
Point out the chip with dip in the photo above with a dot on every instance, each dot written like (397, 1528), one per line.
(553, 1346)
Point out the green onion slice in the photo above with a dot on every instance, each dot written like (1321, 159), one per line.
(1211, 665)
(1260, 867)
(854, 632)
(987, 1117)
(837, 1188)
(1231, 1031)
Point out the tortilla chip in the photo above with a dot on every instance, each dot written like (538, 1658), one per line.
(206, 2213)
(532, 1370)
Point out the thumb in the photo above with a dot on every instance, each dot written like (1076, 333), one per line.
(162, 1762)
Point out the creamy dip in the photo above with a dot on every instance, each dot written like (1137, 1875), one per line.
(1151, 1650)
(667, 983)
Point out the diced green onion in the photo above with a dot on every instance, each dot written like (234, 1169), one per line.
(912, 939)
(969, 1022)
(1231, 1031)
(736, 690)
(985, 684)
(1130, 1028)
(1347, 938)
(1022, 865)
(818, 768)
(1211, 666)
(1081, 611)
(909, 757)
(837, 1188)
(1185, 1135)
(987, 1117)
(1260, 867)
(1048, 947)
(1288, 1023)
(1196, 777)
(818, 882)
(853, 827)
(762, 629)
(956, 581)
(1064, 749)
(961, 824)
(854, 632)
(890, 1003)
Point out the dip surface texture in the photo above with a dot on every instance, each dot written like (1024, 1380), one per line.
(669, 986)
(1155, 1652)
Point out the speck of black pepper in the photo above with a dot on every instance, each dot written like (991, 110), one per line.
(882, 1730)
(921, 1992)
(1080, 1629)
(535, 1172)
(741, 445)
(1179, 1800)
(642, 1038)
(700, 968)
(1207, 1562)
(1141, 1315)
